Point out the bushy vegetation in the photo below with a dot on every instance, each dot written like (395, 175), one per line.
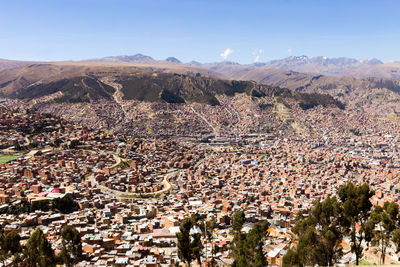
(71, 252)
(9, 245)
(63, 205)
(38, 251)
(170, 97)
(310, 100)
(189, 241)
(321, 233)
(247, 248)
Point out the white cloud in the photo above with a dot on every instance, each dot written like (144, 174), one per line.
(226, 53)
(289, 50)
(256, 54)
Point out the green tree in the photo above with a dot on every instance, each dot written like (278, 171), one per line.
(396, 239)
(11, 242)
(9, 245)
(237, 245)
(189, 241)
(184, 243)
(320, 234)
(247, 249)
(307, 247)
(65, 204)
(72, 144)
(197, 246)
(385, 219)
(291, 258)
(38, 251)
(18, 146)
(255, 243)
(22, 207)
(356, 207)
(58, 142)
(238, 219)
(71, 252)
(42, 205)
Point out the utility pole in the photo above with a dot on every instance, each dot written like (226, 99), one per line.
(205, 232)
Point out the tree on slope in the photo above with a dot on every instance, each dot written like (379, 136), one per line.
(71, 251)
(247, 249)
(189, 241)
(320, 235)
(38, 251)
(356, 207)
(9, 245)
(385, 221)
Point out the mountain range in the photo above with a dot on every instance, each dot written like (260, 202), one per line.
(358, 68)
(85, 83)
(338, 67)
(323, 65)
(367, 85)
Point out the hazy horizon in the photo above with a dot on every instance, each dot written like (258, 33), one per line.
(188, 62)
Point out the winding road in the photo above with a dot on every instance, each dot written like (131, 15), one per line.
(128, 195)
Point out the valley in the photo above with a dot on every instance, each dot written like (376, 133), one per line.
(138, 148)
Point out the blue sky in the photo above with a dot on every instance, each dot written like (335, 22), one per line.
(199, 29)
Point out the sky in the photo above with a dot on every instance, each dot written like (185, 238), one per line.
(203, 30)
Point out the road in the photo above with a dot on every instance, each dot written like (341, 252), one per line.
(128, 195)
(117, 94)
(216, 133)
(11, 149)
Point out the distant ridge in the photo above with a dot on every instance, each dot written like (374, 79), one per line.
(10, 64)
(194, 63)
(135, 58)
(338, 67)
(173, 60)
(324, 65)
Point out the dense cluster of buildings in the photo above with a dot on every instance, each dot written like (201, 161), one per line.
(132, 193)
